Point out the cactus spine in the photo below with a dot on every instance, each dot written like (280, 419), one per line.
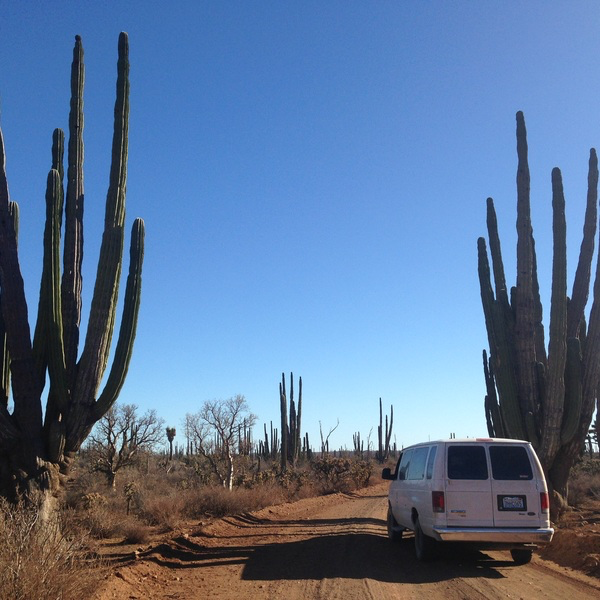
(545, 397)
(73, 403)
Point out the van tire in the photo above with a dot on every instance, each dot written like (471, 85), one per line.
(425, 546)
(521, 556)
(394, 530)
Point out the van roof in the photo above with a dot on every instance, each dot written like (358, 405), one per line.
(477, 440)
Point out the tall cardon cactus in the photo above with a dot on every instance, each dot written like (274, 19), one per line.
(33, 452)
(544, 396)
(384, 436)
(290, 432)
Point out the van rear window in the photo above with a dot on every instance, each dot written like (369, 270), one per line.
(467, 462)
(510, 463)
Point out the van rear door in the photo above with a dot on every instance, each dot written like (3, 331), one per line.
(468, 486)
(514, 487)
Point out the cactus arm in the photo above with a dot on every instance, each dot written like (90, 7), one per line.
(590, 345)
(581, 283)
(380, 434)
(500, 350)
(292, 423)
(54, 205)
(299, 416)
(573, 391)
(388, 433)
(526, 312)
(124, 350)
(94, 357)
(591, 357)
(52, 303)
(284, 427)
(50, 336)
(73, 245)
(13, 211)
(4, 366)
(557, 348)
(26, 392)
(487, 294)
(492, 409)
(496, 254)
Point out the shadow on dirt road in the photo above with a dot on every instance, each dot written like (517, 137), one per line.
(364, 556)
(346, 555)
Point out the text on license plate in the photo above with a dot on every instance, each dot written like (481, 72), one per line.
(512, 503)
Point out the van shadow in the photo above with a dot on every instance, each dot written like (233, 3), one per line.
(344, 555)
(364, 556)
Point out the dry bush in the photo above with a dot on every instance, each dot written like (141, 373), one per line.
(340, 474)
(165, 511)
(134, 532)
(99, 514)
(584, 482)
(160, 493)
(42, 561)
(216, 501)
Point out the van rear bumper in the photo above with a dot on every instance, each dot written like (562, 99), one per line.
(502, 535)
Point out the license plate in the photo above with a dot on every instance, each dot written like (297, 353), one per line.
(512, 503)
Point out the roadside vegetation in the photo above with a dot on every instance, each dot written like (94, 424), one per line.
(161, 489)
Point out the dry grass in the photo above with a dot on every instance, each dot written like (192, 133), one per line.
(216, 501)
(161, 495)
(42, 562)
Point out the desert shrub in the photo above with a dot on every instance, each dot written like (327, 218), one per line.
(340, 474)
(584, 482)
(162, 509)
(216, 501)
(133, 531)
(99, 514)
(42, 560)
(161, 494)
(296, 483)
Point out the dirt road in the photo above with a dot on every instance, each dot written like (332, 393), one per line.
(328, 548)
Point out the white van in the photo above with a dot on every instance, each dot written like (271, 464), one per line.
(490, 492)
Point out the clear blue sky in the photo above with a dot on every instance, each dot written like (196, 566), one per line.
(313, 178)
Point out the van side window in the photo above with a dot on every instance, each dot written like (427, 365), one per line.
(430, 462)
(467, 462)
(510, 463)
(404, 464)
(416, 470)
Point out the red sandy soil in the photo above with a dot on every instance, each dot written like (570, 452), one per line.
(335, 547)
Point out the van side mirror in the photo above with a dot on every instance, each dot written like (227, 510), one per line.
(386, 474)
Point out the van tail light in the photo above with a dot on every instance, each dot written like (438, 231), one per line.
(544, 502)
(437, 501)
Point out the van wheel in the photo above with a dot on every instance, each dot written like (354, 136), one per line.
(521, 556)
(394, 530)
(425, 546)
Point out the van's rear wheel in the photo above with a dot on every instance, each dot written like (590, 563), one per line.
(425, 546)
(521, 556)
(394, 530)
